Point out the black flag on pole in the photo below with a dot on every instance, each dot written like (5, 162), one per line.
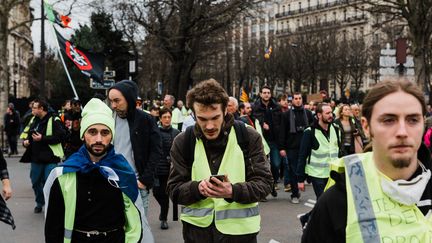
(89, 63)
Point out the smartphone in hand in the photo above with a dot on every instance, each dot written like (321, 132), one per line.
(219, 177)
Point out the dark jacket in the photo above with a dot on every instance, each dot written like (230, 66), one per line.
(12, 123)
(308, 143)
(144, 134)
(354, 129)
(287, 139)
(167, 137)
(40, 152)
(271, 115)
(183, 190)
(327, 221)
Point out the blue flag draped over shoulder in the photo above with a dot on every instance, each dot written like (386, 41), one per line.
(113, 167)
(90, 64)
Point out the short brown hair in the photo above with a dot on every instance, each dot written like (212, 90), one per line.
(319, 108)
(207, 92)
(387, 87)
(165, 110)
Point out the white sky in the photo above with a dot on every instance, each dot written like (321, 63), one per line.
(80, 15)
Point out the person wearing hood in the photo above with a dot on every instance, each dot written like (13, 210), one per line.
(137, 137)
(91, 196)
(43, 147)
(219, 179)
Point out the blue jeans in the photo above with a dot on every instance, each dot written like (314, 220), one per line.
(275, 160)
(287, 179)
(38, 175)
(147, 234)
(318, 185)
(292, 156)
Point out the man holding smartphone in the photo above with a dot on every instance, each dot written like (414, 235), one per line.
(220, 187)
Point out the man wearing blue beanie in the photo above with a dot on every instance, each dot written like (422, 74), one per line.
(91, 196)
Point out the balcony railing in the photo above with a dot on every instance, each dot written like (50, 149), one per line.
(314, 8)
(332, 24)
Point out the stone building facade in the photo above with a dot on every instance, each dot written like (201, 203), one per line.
(20, 51)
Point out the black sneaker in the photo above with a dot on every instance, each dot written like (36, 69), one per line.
(164, 225)
(37, 209)
(274, 192)
(303, 220)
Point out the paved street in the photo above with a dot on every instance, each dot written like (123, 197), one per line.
(279, 216)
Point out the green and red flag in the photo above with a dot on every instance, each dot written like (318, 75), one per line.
(53, 16)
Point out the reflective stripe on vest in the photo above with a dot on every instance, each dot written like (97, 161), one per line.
(372, 215)
(68, 187)
(132, 228)
(320, 159)
(24, 134)
(362, 202)
(259, 130)
(229, 218)
(57, 149)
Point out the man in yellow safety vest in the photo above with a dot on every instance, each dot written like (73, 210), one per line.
(222, 176)
(384, 195)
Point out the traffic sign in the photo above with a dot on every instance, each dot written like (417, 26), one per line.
(105, 85)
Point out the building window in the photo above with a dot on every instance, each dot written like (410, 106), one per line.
(307, 21)
(298, 23)
(254, 28)
(345, 14)
(308, 2)
(289, 7)
(355, 33)
(325, 18)
(300, 6)
(376, 38)
(287, 25)
(283, 9)
(334, 16)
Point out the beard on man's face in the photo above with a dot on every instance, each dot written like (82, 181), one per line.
(92, 149)
(121, 114)
(400, 163)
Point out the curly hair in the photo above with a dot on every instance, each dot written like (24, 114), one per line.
(208, 92)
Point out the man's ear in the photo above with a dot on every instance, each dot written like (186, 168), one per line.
(365, 126)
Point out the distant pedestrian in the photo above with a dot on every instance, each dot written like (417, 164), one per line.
(43, 147)
(12, 129)
(168, 133)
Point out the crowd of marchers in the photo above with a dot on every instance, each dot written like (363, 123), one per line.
(94, 165)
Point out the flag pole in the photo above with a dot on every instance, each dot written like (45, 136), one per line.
(63, 62)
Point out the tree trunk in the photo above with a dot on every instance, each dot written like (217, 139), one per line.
(174, 77)
(4, 70)
(421, 59)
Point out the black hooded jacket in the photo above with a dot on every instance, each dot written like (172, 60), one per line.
(144, 134)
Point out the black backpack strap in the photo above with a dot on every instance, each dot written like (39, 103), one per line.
(241, 134)
(242, 137)
(313, 137)
(189, 145)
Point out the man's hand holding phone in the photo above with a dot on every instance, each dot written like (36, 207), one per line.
(217, 186)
